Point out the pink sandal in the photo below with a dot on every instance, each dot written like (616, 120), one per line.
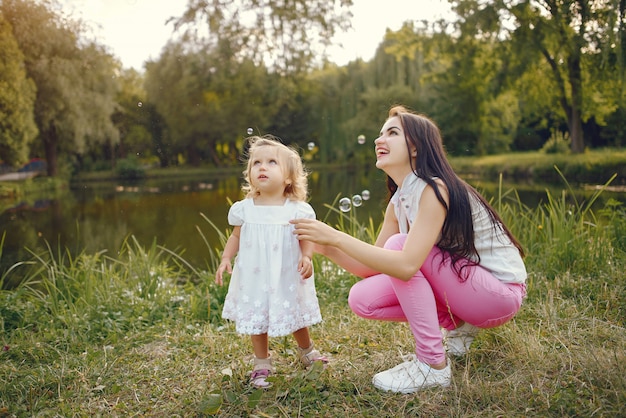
(310, 355)
(262, 370)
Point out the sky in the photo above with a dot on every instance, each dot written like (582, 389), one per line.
(135, 30)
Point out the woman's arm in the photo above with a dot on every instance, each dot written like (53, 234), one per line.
(422, 237)
(389, 227)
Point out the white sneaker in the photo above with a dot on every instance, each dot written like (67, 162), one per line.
(411, 376)
(459, 340)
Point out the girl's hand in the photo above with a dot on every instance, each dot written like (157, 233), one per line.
(314, 231)
(224, 265)
(305, 267)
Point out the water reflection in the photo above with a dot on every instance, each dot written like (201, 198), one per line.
(92, 217)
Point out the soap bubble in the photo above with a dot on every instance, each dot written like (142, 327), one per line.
(345, 204)
(311, 146)
(361, 139)
(365, 194)
(357, 200)
(250, 131)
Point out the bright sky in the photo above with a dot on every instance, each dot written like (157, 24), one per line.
(135, 30)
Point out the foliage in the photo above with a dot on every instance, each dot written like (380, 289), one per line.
(572, 38)
(17, 96)
(130, 169)
(133, 119)
(564, 235)
(285, 34)
(140, 334)
(490, 85)
(75, 87)
(558, 143)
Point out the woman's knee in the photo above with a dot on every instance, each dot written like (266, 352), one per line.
(395, 242)
(356, 299)
(370, 297)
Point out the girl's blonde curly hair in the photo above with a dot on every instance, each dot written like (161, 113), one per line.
(290, 162)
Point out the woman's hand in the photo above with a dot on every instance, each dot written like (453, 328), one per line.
(315, 231)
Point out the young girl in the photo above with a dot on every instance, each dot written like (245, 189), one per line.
(443, 258)
(272, 290)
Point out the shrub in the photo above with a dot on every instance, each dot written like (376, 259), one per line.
(130, 169)
(558, 143)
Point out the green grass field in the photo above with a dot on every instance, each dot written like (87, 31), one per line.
(139, 334)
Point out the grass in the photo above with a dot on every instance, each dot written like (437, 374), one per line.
(140, 334)
(590, 167)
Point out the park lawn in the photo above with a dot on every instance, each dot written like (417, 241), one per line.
(563, 355)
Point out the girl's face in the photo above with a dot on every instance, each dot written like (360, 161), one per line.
(392, 155)
(266, 172)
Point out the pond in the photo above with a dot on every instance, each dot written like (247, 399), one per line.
(96, 216)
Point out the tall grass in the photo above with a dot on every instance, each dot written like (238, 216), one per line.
(140, 333)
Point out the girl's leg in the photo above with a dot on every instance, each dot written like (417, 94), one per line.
(307, 352)
(262, 362)
(260, 345)
(303, 339)
(387, 299)
(418, 304)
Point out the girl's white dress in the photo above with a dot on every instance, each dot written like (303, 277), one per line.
(266, 293)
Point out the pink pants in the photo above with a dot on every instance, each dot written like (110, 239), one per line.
(434, 298)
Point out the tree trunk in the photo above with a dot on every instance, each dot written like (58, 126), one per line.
(214, 157)
(574, 117)
(193, 156)
(575, 126)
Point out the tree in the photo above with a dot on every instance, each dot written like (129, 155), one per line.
(452, 79)
(566, 33)
(132, 117)
(209, 101)
(74, 79)
(289, 36)
(176, 85)
(17, 97)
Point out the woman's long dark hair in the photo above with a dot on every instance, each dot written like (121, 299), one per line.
(457, 234)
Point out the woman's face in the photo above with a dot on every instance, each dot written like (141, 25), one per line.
(392, 155)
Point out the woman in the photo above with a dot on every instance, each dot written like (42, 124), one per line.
(443, 258)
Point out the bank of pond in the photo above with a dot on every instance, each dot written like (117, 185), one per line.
(185, 208)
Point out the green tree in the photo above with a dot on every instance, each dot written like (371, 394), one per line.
(176, 85)
(449, 78)
(477, 113)
(74, 79)
(208, 101)
(566, 33)
(289, 36)
(17, 97)
(132, 117)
